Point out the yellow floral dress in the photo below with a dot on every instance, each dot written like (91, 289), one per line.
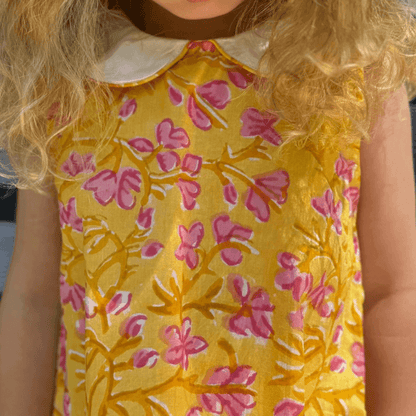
(200, 275)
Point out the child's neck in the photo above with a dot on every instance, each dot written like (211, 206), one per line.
(152, 18)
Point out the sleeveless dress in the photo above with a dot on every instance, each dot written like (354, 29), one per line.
(200, 274)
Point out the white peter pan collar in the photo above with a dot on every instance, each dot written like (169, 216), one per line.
(133, 55)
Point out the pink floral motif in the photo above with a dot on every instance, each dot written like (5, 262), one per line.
(345, 168)
(230, 194)
(225, 230)
(255, 313)
(241, 79)
(317, 297)
(142, 145)
(171, 138)
(274, 185)
(128, 109)
(205, 45)
(327, 208)
(67, 405)
(256, 124)
(175, 95)
(190, 241)
(168, 161)
(76, 164)
(235, 404)
(358, 366)
(132, 326)
(71, 294)
(192, 164)
(195, 411)
(197, 116)
(69, 215)
(145, 357)
(352, 194)
(151, 249)
(288, 407)
(120, 302)
(291, 278)
(145, 218)
(217, 93)
(296, 318)
(337, 364)
(190, 190)
(181, 344)
(108, 185)
(59, 122)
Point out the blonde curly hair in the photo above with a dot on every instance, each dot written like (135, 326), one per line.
(311, 74)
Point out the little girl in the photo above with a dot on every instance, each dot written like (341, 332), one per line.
(203, 271)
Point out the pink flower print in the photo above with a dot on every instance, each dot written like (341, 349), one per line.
(145, 218)
(336, 339)
(345, 168)
(120, 302)
(225, 230)
(181, 344)
(151, 249)
(274, 185)
(198, 117)
(241, 80)
(108, 185)
(76, 164)
(69, 215)
(190, 241)
(62, 343)
(217, 93)
(194, 411)
(204, 45)
(145, 357)
(337, 364)
(288, 407)
(192, 164)
(356, 246)
(326, 207)
(176, 96)
(230, 194)
(59, 121)
(73, 295)
(189, 190)
(142, 145)
(255, 313)
(291, 278)
(358, 366)
(171, 138)
(234, 404)
(67, 405)
(255, 124)
(317, 297)
(168, 161)
(358, 277)
(296, 318)
(132, 326)
(352, 194)
(128, 109)
(294, 280)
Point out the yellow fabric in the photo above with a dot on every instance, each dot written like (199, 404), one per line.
(200, 275)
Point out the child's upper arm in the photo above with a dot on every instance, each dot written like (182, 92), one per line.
(35, 264)
(386, 212)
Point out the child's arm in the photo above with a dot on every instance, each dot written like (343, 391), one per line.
(28, 349)
(30, 309)
(387, 234)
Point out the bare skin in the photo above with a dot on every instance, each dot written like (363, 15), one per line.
(202, 10)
